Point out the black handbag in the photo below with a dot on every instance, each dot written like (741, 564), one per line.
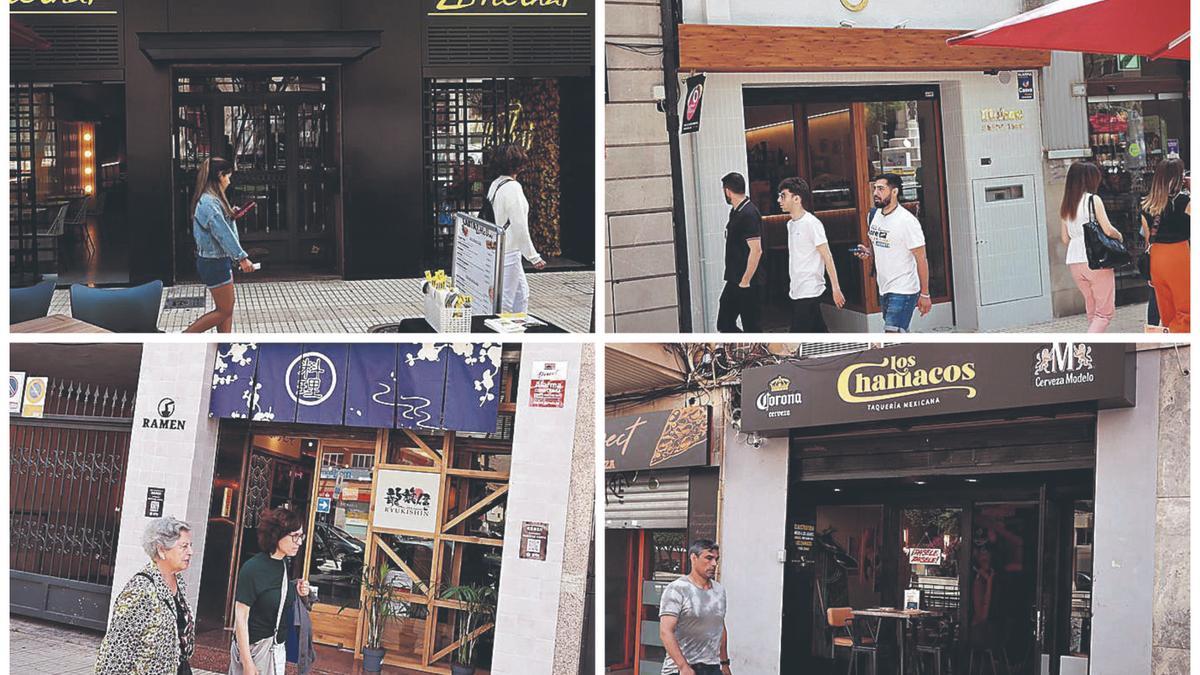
(1103, 252)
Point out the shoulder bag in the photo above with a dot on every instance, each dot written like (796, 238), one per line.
(1103, 252)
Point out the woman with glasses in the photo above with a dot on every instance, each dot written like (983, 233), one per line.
(265, 595)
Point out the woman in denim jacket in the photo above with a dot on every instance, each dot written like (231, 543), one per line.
(217, 245)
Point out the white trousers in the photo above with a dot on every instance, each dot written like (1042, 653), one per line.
(516, 287)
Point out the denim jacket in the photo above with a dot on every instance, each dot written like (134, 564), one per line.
(216, 236)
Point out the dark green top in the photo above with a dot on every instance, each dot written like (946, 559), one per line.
(258, 587)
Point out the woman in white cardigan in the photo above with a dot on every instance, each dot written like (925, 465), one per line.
(511, 207)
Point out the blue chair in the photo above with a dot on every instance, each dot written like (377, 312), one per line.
(32, 302)
(120, 310)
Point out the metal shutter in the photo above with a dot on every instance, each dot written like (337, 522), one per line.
(646, 500)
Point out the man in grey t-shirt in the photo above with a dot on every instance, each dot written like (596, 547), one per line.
(692, 617)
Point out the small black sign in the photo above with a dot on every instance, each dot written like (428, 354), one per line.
(1025, 85)
(154, 502)
(533, 540)
(691, 107)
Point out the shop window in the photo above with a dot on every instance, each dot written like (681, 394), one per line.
(464, 118)
(771, 151)
(930, 541)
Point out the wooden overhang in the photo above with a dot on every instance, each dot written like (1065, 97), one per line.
(796, 49)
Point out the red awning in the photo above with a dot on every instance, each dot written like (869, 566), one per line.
(21, 36)
(1158, 29)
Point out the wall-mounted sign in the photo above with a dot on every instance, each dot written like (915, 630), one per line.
(34, 404)
(855, 5)
(1025, 85)
(925, 556)
(803, 536)
(61, 7)
(534, 537)
(324, 504)
(669, 439)
(1173, 146)
(16, 391)
(1002, 119)
(154, 501)
(165, 417)
(692, 105)
(1129, 62)
(407, 500)
(548, 384)
(920, 380)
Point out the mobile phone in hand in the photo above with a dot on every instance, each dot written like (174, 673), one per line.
(244, 210)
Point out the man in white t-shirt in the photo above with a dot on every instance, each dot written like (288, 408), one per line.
(898, 245)
(809, 260)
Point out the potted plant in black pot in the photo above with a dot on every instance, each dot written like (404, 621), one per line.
(476, 608)
(381, 606)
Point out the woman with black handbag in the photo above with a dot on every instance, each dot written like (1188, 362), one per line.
(1167, 226)
(1081, 210)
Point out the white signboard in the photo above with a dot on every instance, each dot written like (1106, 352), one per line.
(478, 266)
(925, 556)
(406, 500)
(16, 391)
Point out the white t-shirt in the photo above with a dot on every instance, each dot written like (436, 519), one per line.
(806, 270)
(1077, 249)
(893, 237)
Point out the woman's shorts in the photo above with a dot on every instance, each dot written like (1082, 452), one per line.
(214, 272)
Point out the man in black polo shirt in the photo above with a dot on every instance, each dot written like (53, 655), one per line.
(743, 249)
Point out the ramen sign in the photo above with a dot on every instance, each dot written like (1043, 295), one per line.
(935, 379)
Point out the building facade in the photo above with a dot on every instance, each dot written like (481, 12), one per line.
(982, 138)
(192, 446)
(357, 128)
(851, 479)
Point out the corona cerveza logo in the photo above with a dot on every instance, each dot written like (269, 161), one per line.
(1063, 363)
(778, 396)
(899, 376)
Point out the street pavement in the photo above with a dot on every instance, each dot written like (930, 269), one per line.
(339, 306)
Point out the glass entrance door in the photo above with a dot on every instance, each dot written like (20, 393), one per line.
(338, 531)
(837, 139)
(278, 129)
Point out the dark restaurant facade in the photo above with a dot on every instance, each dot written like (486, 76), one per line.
(1028, 499)
(358, 127)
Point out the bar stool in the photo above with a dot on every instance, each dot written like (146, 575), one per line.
(839, 619)
(933, 641)
(866, 643)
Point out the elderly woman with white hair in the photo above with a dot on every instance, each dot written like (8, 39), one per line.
(151, 630)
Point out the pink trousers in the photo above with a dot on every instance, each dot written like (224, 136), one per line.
(1099, 288)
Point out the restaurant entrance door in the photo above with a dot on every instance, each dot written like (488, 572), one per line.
(838, 138)
(991, 560)
(279, 128)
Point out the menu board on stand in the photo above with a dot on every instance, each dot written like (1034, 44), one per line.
(478, 265)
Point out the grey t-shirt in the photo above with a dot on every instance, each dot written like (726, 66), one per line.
(701, 621)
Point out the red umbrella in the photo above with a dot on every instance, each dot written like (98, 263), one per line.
(1154, 29)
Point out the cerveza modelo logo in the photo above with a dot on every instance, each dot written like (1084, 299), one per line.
(1063, 364)
(779, 394)
(897, 377)
(165, 409)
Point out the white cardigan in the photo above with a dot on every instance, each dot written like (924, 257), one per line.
(510, 206)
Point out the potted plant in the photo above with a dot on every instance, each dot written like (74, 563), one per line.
(477, 607)
(381, 606)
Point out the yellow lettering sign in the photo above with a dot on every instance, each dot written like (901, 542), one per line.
(901, 378)
(622, 440)
(86, 3)
(460, 5)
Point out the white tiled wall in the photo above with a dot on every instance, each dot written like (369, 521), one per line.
(540, 491)
(180, 461)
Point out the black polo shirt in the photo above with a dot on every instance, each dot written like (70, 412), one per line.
(745, 222)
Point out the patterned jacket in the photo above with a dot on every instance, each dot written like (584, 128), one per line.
(143, 631)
